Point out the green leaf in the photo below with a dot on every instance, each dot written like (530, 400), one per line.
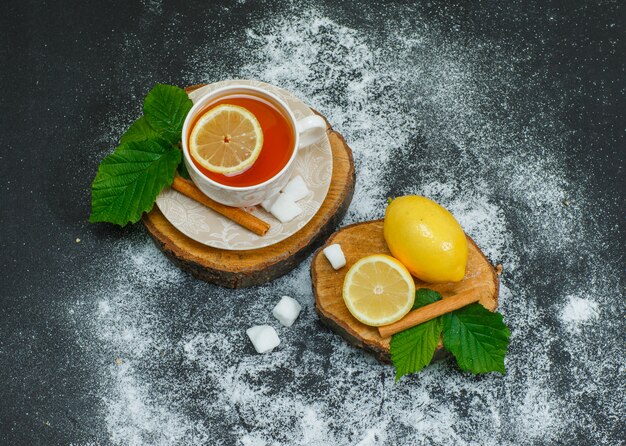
(425, 296)
(412, 349)
(165, 109)
(477, 338)
(139, 131)
(183, 172)
(129, 180)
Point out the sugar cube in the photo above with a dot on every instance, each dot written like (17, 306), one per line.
(285, 209)
(296, 188)
(264, 338)
(287, 310)
(253, 331)
(335, 256)
(268, 202)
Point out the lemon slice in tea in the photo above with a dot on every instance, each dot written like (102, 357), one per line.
(378, 290)
(226, 139)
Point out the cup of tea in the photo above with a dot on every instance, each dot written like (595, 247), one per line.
(283, 136)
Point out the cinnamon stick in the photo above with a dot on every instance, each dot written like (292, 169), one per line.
(239, 216)
(431, 311)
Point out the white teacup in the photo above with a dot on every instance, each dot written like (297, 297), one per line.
(307, 131)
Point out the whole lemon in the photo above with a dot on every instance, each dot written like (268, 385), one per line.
(426, 238)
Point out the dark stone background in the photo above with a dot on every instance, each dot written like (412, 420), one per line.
(64, 68)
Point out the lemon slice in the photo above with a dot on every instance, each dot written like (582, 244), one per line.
(378, 290)
(226, 139)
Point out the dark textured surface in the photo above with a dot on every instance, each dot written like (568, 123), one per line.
(69, 67)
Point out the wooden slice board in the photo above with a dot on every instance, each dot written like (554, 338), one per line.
(238, 269)
(363, 239)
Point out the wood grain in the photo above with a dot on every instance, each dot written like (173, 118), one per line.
(363, 239)
(238, 269)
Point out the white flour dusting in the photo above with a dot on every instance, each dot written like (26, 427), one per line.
(578, 311)
(423, 114)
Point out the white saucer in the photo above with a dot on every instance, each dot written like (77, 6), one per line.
(314, 163)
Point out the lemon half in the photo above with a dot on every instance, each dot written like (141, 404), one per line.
(226, 139)
(378, 290)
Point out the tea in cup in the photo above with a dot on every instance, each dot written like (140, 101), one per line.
(245, 110)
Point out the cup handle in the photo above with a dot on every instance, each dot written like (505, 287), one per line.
(310, 129)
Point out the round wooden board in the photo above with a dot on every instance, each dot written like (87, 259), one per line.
(363, 239)
(239, 269)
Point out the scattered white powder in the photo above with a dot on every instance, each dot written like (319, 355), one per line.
(578, 311)
(424, 114)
